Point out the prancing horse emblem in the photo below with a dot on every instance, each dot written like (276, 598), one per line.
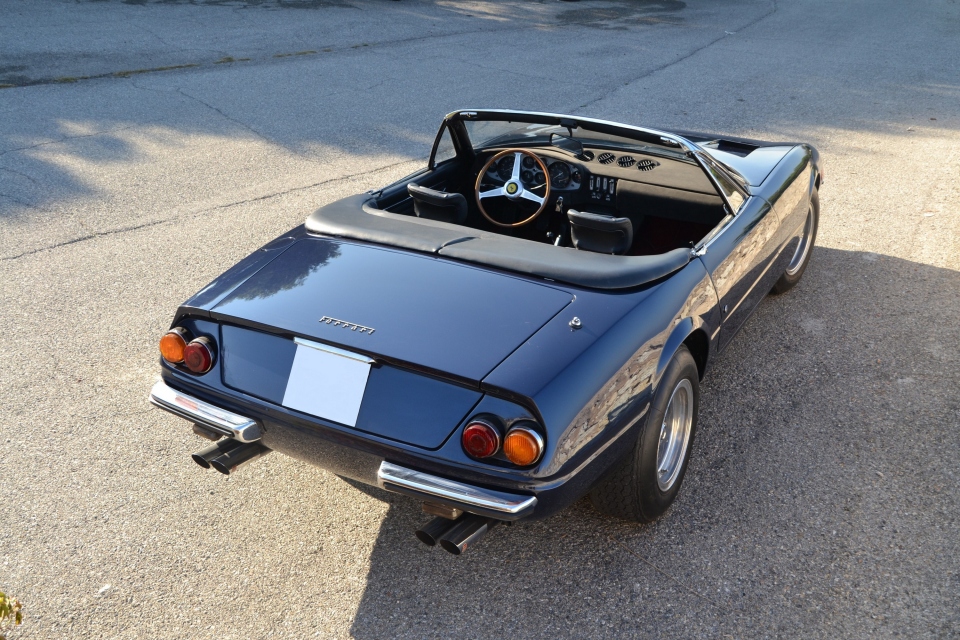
(347, 325)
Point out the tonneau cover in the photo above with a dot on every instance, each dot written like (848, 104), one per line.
(356, 218)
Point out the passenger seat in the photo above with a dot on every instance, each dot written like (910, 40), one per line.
(438, 205)
(600, 233)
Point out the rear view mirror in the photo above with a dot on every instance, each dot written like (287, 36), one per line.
(567, 144)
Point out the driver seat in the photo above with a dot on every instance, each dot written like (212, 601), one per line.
(438, 205)
(600, 233)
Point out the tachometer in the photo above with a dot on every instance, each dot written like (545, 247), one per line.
(559, 175)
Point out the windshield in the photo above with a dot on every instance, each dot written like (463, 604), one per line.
(490, 133)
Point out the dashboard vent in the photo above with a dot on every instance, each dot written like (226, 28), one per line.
(626, 161)
(606, 158)
(647, 165)
(587, 155)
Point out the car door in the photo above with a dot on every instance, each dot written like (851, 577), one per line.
(739, 256)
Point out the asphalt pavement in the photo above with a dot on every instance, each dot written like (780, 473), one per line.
(145, 146)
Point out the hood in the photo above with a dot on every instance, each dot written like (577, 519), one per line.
(436, 314)
(752, 162)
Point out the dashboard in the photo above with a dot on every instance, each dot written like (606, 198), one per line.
(563, 176)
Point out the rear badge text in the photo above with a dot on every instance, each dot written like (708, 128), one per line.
(347, 325)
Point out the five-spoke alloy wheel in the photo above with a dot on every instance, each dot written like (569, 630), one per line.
(648, 480)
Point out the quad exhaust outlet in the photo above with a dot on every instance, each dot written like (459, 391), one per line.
(229, 455)
(456, 536)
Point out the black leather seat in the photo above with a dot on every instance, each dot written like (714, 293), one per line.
(600, 233)
(438, 205)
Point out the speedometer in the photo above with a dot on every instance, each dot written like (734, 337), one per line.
(559, 175)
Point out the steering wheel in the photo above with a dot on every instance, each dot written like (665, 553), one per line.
(513, 189)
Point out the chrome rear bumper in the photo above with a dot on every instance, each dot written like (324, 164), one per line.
(495, 504)
(485, 502)
(214, 418)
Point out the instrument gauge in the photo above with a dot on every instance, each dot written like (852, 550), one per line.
(528, 162)
(559, 175)
(505, 167)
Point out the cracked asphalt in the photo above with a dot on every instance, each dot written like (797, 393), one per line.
(145, 146)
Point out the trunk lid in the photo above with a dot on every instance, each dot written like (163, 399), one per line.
(436, 314)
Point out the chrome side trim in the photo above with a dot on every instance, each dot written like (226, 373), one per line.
(220, 420)
(335, 351)
(442, 488)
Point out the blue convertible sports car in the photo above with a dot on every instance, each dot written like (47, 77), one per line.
(523, 322)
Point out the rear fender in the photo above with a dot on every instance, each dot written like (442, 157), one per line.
(680, 333)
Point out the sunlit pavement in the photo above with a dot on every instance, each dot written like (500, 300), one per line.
(145, 147)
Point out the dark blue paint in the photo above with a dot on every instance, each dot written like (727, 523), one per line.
(257, 363)
(439, 315)
(397, 404)
(412, 408)
(210, 295)
(739, 261)
(756, 165)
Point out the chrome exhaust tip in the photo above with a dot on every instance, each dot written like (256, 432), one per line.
(430, 533)
(466, 533)
(204, 457)
(234, 458)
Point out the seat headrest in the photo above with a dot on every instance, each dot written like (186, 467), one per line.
(600, 233)
(438, 205)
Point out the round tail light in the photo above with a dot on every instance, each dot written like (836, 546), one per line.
(481, 439)
(522, 446)
(173, 343)
(198, 355)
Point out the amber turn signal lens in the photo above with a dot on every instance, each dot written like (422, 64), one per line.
(481, 439)
(172, 345)
(522, 446)
(198, 355)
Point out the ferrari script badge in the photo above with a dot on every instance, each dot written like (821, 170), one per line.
(347, 325)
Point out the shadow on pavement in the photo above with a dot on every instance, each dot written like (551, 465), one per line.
(359, 105)
(821, 495)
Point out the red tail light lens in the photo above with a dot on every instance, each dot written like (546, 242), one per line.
(523, 446)
(173, 343)
(481, 439)
(198, 355)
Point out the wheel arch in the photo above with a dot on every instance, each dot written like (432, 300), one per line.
(694, 337)
(699, 345)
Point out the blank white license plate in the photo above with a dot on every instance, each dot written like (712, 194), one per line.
(327, 382)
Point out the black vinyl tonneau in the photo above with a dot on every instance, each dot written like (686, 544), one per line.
(357, 218)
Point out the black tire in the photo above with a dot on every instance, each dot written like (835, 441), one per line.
(632, 490)
(792, 275)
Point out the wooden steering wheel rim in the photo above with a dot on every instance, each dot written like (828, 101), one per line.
(486, 167)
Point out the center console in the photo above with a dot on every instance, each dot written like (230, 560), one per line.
(603, 190)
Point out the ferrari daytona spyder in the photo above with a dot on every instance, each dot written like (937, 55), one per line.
(523, 322)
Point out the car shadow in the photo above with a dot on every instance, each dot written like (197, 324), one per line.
(800, 489)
